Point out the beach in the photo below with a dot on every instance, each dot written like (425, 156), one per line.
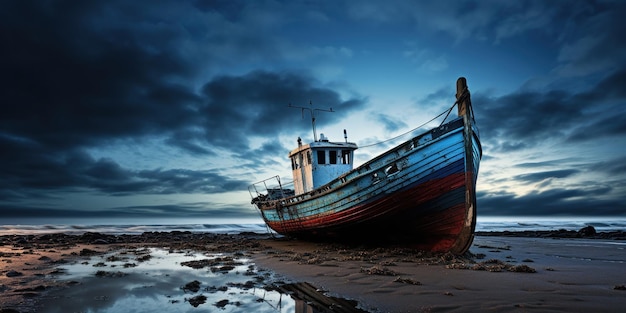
(191, 272)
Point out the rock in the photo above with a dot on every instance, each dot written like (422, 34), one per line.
(197, 300)
(406, 281)
(21, 241)
(587, 231)
(193, 286)
(96, 238)
(522, 269)
(88, 252)
(13, 273)
(110, 274)
(222, 303)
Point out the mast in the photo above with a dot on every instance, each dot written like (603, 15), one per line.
(463, 99)
(312, 110)
(464, 104)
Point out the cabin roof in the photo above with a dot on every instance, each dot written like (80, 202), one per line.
(323, 144)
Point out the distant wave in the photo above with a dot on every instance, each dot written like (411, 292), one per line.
(130, 229)
(234, 226)
(601, 224)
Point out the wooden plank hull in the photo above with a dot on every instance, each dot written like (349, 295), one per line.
(420, 193)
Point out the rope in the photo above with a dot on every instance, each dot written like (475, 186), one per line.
(412, 130)
(447, 114)
(464, 95)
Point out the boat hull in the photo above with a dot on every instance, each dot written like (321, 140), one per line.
(420, 193)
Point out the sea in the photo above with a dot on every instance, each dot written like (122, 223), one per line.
(118, 226)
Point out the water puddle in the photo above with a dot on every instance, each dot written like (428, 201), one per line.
(158, 280)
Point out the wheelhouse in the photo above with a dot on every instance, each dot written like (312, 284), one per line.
(319, 162)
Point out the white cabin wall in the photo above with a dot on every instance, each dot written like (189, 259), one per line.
(302, 173)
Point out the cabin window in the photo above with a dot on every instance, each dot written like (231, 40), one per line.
(308, 157)
(332, 157)
(345, 156)
(321, 157)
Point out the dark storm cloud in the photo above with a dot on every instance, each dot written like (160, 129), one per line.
(32, 173)
(551, 163)
(68, 82)
(540, 176)
(552, 202)
(79, 75)
(615, 166)
(592, 37)
(188, 181)
(493, 21)
(188, 140)
(606, 127)
(251, 158)
(183, 209)
(82, 73)
(611, 93)
(257, 104)
(526, 118)
(585, 101)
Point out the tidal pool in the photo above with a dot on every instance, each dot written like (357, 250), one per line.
(158, 280)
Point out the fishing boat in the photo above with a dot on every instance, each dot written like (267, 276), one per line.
(421, 193)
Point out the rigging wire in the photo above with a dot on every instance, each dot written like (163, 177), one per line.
(447, 112)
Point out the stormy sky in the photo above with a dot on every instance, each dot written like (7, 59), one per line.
(172, 108)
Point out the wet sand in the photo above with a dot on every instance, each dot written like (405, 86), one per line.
(502, 273)
(506, 274)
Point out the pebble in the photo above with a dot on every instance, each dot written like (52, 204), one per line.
(13, 273)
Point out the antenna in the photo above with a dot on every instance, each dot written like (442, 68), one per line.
(312, 110)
